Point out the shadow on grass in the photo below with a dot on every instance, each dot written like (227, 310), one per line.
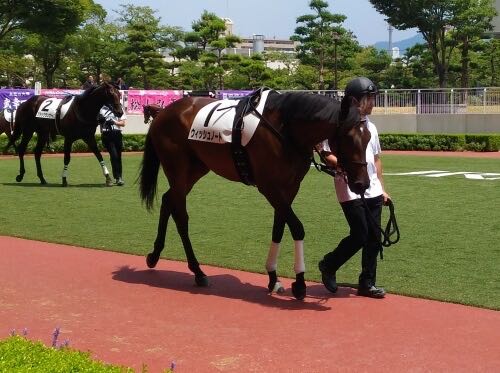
(229, 286)
(49, 185)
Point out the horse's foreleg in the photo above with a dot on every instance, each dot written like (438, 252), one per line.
(38, 155)
(272, 257)
(92, 144)
(20, 151)
(298, 234)
(152, 258)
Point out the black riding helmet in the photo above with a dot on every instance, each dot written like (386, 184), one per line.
(359, 87)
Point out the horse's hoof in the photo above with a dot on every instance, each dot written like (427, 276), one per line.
(109, 181)
(201, 281)
(64, 182)
(152, 260)
(43, 182)
(276, 288)
(19, 178)
(298, 290)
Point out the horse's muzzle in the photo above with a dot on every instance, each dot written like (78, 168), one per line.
(359, 187)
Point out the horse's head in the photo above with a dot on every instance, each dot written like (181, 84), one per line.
(349, 144)
(150, 112)
(112, 98)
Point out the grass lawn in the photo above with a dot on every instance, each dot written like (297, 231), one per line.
(449, 249)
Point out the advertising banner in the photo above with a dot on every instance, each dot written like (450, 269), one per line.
(60, 93)
(139, 98)
(12, 98)
(230, 94)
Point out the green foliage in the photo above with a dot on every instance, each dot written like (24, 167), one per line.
(21, 355)
(440, 142)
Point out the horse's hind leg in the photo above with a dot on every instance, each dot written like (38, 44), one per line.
(41, 141)
(21, 149)
(152, 258)
(181, 177)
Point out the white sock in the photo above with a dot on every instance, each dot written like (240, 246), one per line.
(272, 257)
(299, 257)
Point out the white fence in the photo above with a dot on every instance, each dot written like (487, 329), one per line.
(434, 101)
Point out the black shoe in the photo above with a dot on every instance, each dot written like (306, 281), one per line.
(327, 277)
(371, 292)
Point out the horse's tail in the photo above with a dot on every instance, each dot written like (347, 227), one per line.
(148, 177)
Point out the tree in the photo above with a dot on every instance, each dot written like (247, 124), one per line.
(434, 20)
(52, 18)
(316, 33)
(473, 19)
(144, 39)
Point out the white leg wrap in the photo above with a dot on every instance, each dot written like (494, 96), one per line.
(104, 168)
(272, 256)
(65, 171)
(299, 257)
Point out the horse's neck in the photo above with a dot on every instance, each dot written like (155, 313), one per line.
(307, 135)
(88, 107)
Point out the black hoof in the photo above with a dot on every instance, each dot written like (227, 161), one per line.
(201, 281)
(299, 290)
(43, 182)
(64, 182)
(152, 260)
(19, 178)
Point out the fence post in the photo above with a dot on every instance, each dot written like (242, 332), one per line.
(385, 101)
(452, 108)
(418, 102)
(484, 100)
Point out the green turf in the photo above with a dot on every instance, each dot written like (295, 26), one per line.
(450, 226)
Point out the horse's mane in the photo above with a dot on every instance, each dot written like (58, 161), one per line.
(88, 91)
(306, 107)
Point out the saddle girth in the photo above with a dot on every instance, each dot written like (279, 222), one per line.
(240, 155)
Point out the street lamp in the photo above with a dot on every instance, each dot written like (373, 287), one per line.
(335, 37)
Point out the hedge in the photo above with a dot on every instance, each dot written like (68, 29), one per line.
(439, 142)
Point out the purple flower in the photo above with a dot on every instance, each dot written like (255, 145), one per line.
(172, 366)
(25, 332)
(55, 335)
(13, 332)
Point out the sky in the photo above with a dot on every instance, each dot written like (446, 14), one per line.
(271, 18)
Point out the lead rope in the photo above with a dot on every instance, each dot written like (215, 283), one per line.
(322, 167)
(390, 229)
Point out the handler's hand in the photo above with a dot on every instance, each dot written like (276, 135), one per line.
(387, 198)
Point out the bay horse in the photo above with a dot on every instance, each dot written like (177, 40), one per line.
(279, 154)
(150, 112)
(79, 122)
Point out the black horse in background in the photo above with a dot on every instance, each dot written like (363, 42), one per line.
(79, 122)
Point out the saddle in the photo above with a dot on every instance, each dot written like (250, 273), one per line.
(246, 105)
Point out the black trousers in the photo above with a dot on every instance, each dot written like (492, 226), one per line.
(363, 234)
(112, 141)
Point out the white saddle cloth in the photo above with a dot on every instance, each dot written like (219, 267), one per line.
(220, 126)
(48, 108)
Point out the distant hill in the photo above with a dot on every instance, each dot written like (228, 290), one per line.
(403, 45)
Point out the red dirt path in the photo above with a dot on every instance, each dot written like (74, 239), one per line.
(112, 305)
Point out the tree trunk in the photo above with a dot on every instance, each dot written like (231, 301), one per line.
(464, 81)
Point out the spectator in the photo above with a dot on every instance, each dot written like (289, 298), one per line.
(89, 83)
(111, 136)
(120, 83)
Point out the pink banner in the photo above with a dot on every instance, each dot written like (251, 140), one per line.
(138, 98)
(60, 93)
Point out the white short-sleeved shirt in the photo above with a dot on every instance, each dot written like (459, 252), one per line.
(110, 118)
(344, 194)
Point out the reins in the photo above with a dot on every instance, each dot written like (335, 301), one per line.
(390, 229)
